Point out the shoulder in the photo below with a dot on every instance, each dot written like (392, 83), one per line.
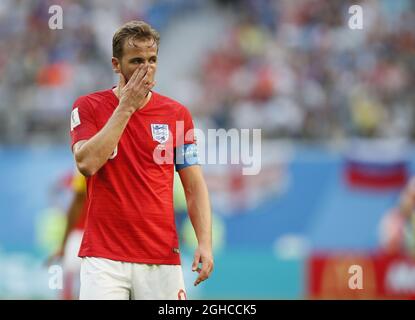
(174, 105)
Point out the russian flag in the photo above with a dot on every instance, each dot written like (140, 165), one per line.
(377, 164)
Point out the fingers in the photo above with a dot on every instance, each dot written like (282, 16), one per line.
(146, 85)
(196, 261)
(207, 267)
(149, 86)
(144, 82)
(203, 273)
(131, 82)
(138, 76)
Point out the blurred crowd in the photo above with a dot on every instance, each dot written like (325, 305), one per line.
(293, 68)
(296, 69)
(44, 70)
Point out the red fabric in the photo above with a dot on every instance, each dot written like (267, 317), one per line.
(384, 276)
(130, 213)
(368, 175)
(80, 224)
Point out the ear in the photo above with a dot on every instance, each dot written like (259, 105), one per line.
(116, 65)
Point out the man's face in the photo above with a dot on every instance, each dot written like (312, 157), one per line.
(137, 53)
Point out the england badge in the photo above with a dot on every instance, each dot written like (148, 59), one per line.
(160, 132)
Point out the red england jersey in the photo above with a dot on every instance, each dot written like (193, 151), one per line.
(130, 215)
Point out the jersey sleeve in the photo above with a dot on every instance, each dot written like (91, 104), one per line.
(83, 124)
(185, 152)
(185, 128)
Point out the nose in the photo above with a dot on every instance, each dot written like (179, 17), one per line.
(149, 66)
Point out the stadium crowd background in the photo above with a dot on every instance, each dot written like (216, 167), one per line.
(292, 68)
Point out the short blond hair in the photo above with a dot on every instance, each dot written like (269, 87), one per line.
(134, 30)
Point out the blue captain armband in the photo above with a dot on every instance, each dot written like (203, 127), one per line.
(186, 156)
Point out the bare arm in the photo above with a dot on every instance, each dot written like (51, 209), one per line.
(197, 199)
(74, 213)
(91, 155)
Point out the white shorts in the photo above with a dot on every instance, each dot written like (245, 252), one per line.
(104, 279)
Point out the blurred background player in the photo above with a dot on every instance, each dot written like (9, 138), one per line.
(397, 228)
(71, 242)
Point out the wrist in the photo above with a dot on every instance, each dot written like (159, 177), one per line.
(124, 110)
(207, 245)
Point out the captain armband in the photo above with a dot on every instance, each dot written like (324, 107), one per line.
(185, 156)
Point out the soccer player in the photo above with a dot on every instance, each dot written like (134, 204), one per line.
(74, 229)
(120, 138)
(397, 227)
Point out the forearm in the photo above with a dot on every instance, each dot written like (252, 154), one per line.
(95, 152)
(200, 213)
(74, 213)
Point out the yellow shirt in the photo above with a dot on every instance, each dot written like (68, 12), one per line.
(78, 182)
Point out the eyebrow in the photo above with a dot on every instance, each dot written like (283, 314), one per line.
(141, 58)
(136, 58)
